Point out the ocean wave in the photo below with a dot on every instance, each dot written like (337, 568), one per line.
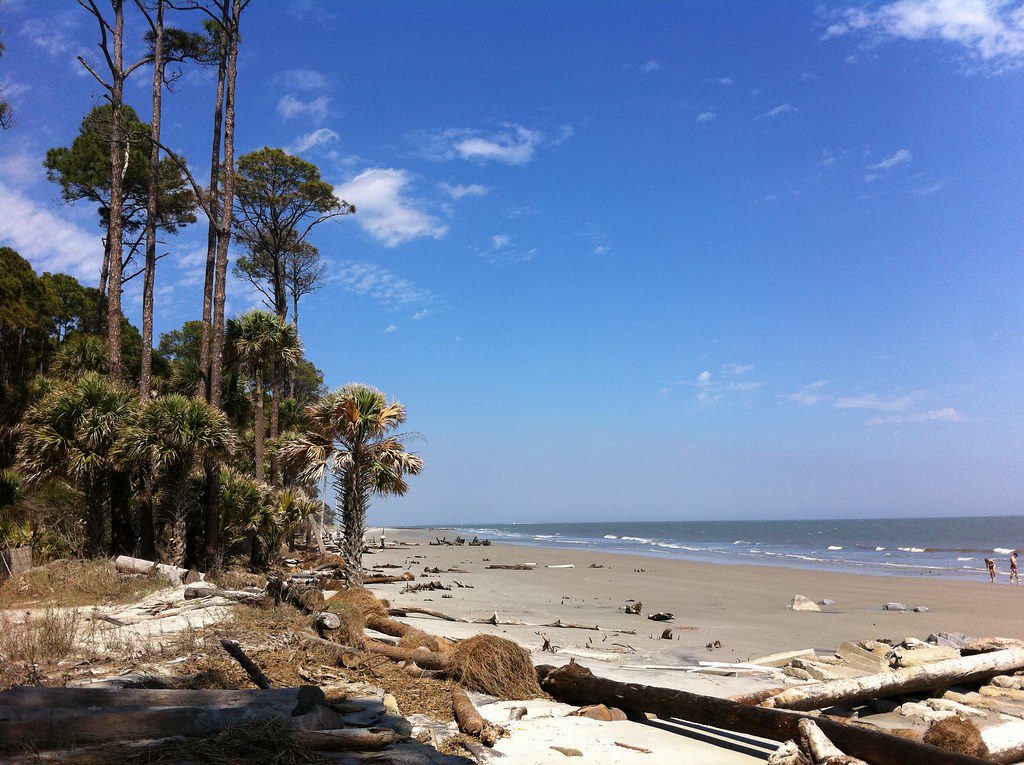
(642, 540)
(545, 536)
(834, 547)
(963, 559)
(911, 549)
(879, 549)
(1003, 550)
(610, 536)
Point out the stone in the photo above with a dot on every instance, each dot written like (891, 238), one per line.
(800, 603)
(826, 602)
(328, 621)
(894, 607)
(600, 712)
(921, 609)
(782, 659)
(913, 643)
(925, 655)
(859, 658)
(951, 639)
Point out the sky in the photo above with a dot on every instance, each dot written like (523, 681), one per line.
(659, 261)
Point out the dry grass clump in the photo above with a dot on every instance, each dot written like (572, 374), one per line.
(73, 582)
(30, 648)
(495, 666)
(957, 735)
(233, 579)
(363, 600)
(350, 632)
(415, 638)
(261, 742)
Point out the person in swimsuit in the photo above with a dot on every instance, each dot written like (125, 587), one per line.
(991, 569)
(1014, 571)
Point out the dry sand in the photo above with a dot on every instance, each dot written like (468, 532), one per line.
(743, 607)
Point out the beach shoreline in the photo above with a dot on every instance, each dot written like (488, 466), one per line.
(743, 607)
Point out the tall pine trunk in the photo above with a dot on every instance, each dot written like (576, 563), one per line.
(117, 169)
(259, 425)
(146, 375)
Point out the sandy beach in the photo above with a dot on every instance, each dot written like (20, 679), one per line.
(743, 607)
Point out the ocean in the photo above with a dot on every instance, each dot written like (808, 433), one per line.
(932, 547)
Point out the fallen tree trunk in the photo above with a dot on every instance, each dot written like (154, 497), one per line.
(408, 576)
(469, 719)
(239, 596)
(128, 565)
(901, 681)
(577, 685)
(255, 674)
(347, 739)
(425, 659)
(823, 751)
(405, 610)
(511, 566)
(27, 696)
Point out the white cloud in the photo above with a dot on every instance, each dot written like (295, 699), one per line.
(500, 241)
(501, 250)
(513, 145)
(707, 115)
(384, 210)
(711, 389)
(724, 81)
(946, 414)
(291, 107)
(809, 395)
(651, 66)
(989, 30)
(304, 79)
(927, 191)
(421, 314)
(52, 34)
(738, 369)
(776, 111)
(871, 401)
(390, 328)
(317, 137)
(468, 190)
(46, 240)
(601, 249)
(378, 283)
(897, 158)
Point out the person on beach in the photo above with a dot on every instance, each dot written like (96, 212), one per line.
(991, 569)
(1014, 572)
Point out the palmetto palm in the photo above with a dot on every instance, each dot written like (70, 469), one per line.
(261, 340)
(169, 437)
(80, 353)
(352, 432)
(71, 433)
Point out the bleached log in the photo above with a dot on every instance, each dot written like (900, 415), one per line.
(908, 680)
(238, 596)
(347, 739)
(29, 696)
(128, 565)
(574, 684)
(823, 751)
(470, 720)
(788, 754)
(425, 659)
(1004, 739)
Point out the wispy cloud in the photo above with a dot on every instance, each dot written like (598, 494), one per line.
(809, 395)
(711, 387)
(512, 145)
(390, 328)
(776, 111)
(463, 190)
(419, 315)
(707, 115)
(46, 240)
(932, 188)
(317, 137)
(304, 79)
(503, 249)
(991, 31)
(52, 34)
(379, 284)
(878, 403)
(898, 157)
(293, 107)
(385, 210)
(651, 66)
(946, 414)
(725, 81)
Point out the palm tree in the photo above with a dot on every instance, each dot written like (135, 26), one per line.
(260, 339)
(171, 435)
(81, 353)
(352, 431)
(70, 433)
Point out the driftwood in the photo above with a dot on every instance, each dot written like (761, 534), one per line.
(900, 681)
(251, 669)
(408, 576)
(823, 751)
(302, 595)
(195, 592)
(406, 610)
(511, 566)
(425, 659)
(347, 739)
(28, 696)
(470, 721)
(128, 565)
(495, 621)
(577, 685)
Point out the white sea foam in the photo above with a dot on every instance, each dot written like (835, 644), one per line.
(1002, 550)
(910, 549)
(879, 549)
(637, 539)
(963, 559)
(610, 536)
(834, 547)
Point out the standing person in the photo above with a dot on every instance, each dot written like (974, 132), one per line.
(382, 544)
(1014, 571)
(991, 569)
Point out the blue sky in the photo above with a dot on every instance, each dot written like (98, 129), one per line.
(621, 261)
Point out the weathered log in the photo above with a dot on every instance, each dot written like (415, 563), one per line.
(788, 754)
(406, 610)
(347, 739)
(28, 696)
(577, 685)
(425, 659)
(556, 624)
(128, 565)
(907, 680)
(823, 751)
(239, 596)
(342, 655)
(408, 576)
(469, 719)
(511, 566)
(255, 674)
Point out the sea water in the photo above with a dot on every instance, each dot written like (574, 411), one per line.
(933, 547)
